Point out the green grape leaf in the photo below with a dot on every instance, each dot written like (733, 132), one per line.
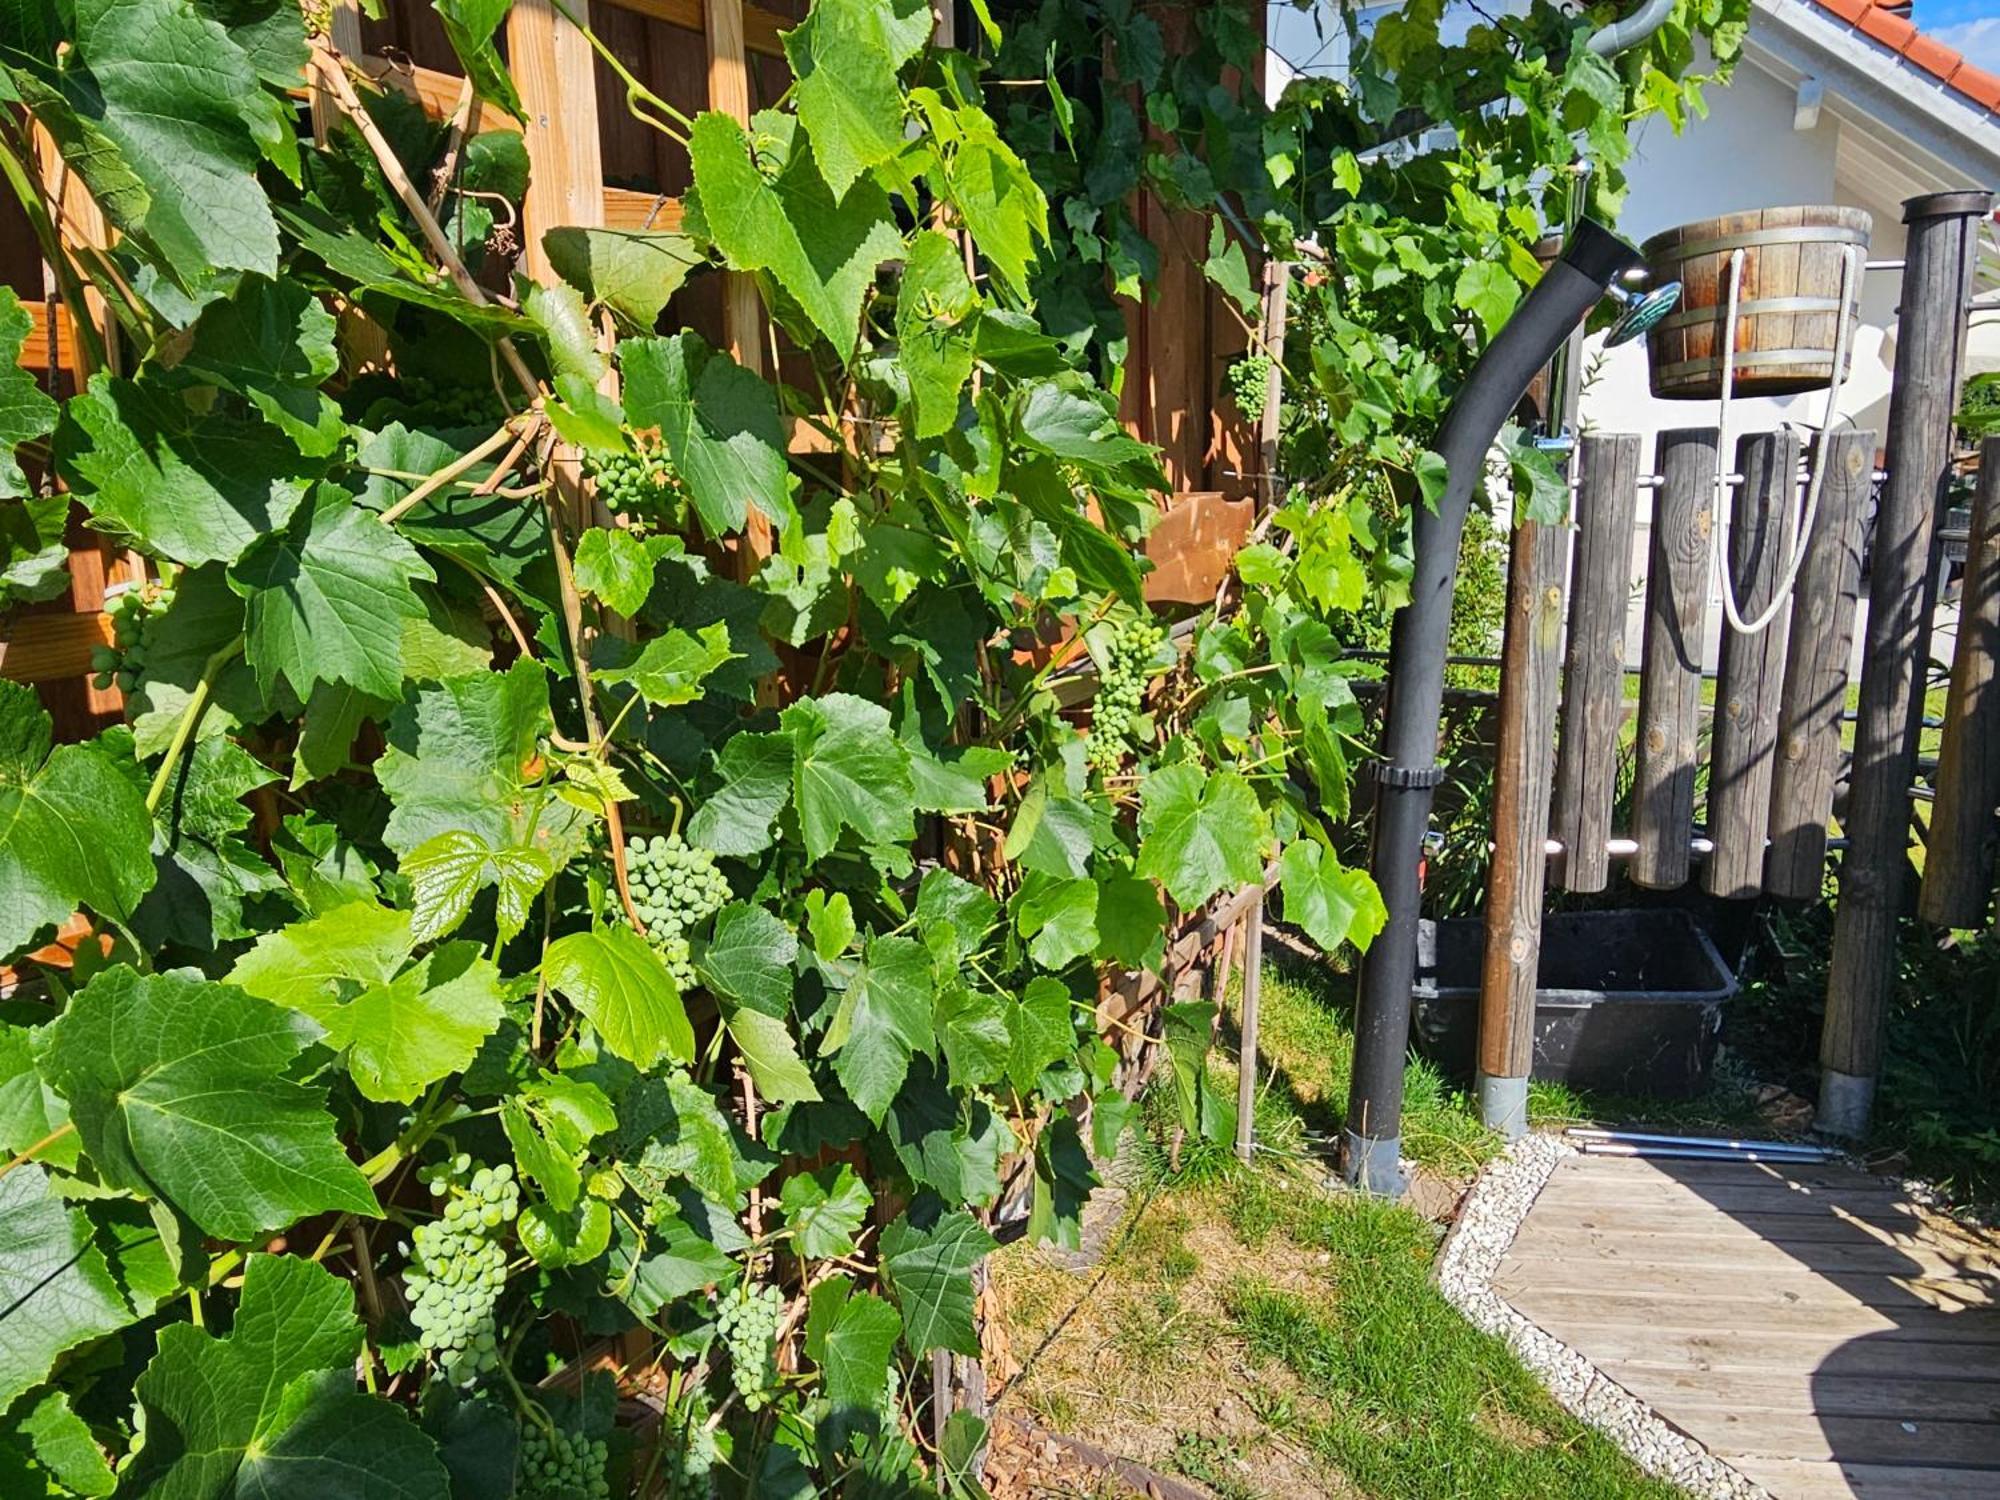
(1490, 291)
(1041, 1030)
(822, 250)
(469, 26)
(684, 1262)
(56, 1288)
(1330, 903)
(334, 716)
(1064, 1178)
(823, 1210)
(720, 425)
(205, 619)
(30, 1110)
(1131, 922)
(350, 254)
(325, 601)
(946, 1143)
(772, 1057)
(953, 915)
(884, 1018)
(927, 1263)
(845, 55)
(553, 1169)
(972, 1029)
(1199, 832)
(574, 1238)
(696, 1143)
(64, 1448)
(749, 959)
(849, 771)
(74, 830)
(851, 1336)
(448, 871)
(466, 755)
(622, 985)
(271, 1411)
(1057, 917)
(631, 271)
(152, 103)
(671, 667)
(402, 1025)
(831, 921)
(756, 772)
(934, 331)
(195, 486)
(207, 869)
(1064, 424)
(614, 565)
(272, 343)
(179, 1088)
(979, 174)
(1053, 831)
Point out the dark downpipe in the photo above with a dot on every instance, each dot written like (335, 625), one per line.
(1408, 773)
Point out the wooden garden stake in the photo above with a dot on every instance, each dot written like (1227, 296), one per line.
(1246, 1057)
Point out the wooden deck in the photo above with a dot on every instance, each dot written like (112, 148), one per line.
(1812, 1326)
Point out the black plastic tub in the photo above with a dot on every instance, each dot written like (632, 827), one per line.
(1627, 1002)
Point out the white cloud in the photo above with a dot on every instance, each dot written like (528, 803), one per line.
(1979, 40)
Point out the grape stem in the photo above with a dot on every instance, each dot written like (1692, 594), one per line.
(42, 1145)
(197, 704)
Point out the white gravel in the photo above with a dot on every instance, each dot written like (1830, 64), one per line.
(1472, 1252)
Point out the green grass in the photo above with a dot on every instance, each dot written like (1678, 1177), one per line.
(1417, 1403)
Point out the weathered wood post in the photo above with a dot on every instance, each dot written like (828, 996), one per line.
(1523, 761)
(1815, 692)
(1593, 684)
(1752, 670)
(1246, 1015)
(1958, 856)
(1670, 681)
(1930, 342)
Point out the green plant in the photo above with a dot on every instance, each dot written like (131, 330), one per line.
(362, 899)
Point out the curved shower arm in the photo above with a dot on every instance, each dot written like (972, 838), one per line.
(1623, 35)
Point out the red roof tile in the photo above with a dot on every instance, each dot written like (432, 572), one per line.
(1877, 21)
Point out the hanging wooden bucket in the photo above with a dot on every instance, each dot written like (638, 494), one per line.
(1787, 308)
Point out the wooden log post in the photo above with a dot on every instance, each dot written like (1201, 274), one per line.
(1752, 671)
(1247, 1006)
(1958, 855)
(556, 74)
(1593, 687)
(1670, 677)
(1530, 653)
(1815, 690)
(1943, 248)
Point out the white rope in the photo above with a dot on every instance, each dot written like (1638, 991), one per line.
(1849, 273)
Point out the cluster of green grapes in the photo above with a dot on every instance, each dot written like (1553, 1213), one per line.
(689, 1466)
(676, 888)
(642, 487)
(459, 1264)
(123, 660)
(1247, 379)
(1114, 714)
(420, 401)
(748, 1323)
(557, 1464)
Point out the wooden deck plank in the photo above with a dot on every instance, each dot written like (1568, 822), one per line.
(1904, 1398)
(1694, 1312)
(1793, 1285)
(1858, 1440)
(1733, 1248)
(1893, 1226)
(1796, 1479)
(1610, 1345)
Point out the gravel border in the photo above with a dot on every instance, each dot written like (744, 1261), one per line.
(1472, 1251)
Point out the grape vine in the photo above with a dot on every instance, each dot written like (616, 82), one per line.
(402, 720)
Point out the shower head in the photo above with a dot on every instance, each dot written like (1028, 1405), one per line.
(1642, 311)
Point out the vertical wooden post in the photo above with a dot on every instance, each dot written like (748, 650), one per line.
(1958, 855)
(1938, 266)
(1815, 691)
(1246, 1052)
(742, 313)
(1593, 687)
(1670, 680)
(556, 74)
(1277, 291)
(1530, 652)
(1753, 666)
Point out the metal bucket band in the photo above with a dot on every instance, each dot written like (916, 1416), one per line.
(1752, 359)
(1695, 317)
(1797, 234)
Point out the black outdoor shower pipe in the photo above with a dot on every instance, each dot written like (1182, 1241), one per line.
(1408, 772)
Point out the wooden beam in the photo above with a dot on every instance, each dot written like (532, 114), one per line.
(35, 347)
(556, 73)
(51, 647)
(625, 208)
(761, 28)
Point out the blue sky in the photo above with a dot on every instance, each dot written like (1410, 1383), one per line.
(1972, 26)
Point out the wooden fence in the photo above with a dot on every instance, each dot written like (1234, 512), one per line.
(592, 163)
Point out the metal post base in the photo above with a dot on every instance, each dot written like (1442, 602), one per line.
(1374, 1166)
(1845, 1103)
(1503, 1105)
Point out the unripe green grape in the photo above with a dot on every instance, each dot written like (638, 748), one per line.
(1121, 693)
(459, 1264)
(747, 1321)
